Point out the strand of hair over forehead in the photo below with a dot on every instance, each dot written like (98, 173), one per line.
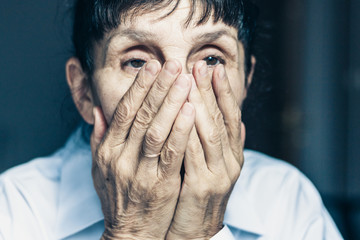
(108, 14)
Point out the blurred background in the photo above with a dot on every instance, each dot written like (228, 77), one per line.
(303, 106)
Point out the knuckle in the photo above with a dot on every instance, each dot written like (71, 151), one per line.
(170, 152)
(123, 113)
(234, 168)
(172, 101)
(144, 116)
(161, 86)
(168, 156)
(115, 168)
(203, 191)
(153, 138)
(146, 112)
(213, 137)
(141, 84)
(150, 103)
(178, 129)
(224, 186)
(218, 118)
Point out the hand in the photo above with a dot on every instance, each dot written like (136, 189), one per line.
(137, 160)
(213, 158)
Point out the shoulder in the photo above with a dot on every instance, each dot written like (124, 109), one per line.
(284, 200)
(268, 183)
(263, 172)
(40, 173)
(25, 191)
(31, 194)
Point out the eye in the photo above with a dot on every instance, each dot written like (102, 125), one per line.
(135, 63)
(212, 60)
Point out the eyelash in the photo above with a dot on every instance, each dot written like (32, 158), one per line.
(128, 62)
(220, 59)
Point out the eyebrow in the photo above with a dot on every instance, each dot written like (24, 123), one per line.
(135, 35)
(213, 36)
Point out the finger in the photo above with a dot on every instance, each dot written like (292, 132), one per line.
(172, 153)
(129, 105)
(203, 80)
(194, 161)
(160, 127)
(229, 108)
(153, 101)
(208, 132)
(100, 127)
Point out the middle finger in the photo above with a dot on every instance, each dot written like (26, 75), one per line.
(153, 101)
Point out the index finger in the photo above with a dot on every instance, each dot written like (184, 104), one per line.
(229, 108)
(129, 105)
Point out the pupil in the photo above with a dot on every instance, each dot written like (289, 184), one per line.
(137, 63)
(212, 61)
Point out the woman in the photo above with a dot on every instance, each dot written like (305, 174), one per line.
(162, 83)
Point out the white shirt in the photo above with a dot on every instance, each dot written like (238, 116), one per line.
(54, 198)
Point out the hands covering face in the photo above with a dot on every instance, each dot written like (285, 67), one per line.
(167, 118)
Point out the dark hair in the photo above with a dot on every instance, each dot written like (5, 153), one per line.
(93, 18)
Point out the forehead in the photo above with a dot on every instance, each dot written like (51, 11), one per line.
(164, 23)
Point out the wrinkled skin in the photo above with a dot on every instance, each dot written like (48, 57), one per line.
(151, 115)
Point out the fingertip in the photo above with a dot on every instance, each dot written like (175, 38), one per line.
(173, 66)
(153, 67)
(221, 72)
(188, 109)
(200, 69)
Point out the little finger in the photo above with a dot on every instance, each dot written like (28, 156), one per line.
(173, 151)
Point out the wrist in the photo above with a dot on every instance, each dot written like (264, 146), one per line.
(109, 235)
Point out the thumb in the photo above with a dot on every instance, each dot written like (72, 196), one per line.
(100, 127)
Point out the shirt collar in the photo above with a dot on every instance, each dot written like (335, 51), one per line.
(79, 206)
(241, 212)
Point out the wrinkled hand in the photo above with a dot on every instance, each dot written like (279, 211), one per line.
(137, 160)
(213, 158)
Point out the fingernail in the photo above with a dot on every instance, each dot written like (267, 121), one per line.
(172, 67)
(182, 81)
(187, 109)
(152, 68)
(221, 72)
(202, 69)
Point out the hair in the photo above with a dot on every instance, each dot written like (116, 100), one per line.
(94, 18)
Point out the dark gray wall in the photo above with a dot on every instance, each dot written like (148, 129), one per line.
(307, 111)
(33, 48)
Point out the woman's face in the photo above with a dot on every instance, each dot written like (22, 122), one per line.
(123, 51)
